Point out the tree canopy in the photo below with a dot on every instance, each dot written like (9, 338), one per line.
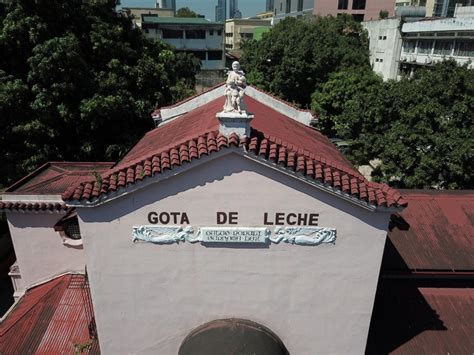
(296, 56)
(186, 12)
(78, 82)
(421, 128)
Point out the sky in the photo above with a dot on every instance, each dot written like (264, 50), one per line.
(204, 7)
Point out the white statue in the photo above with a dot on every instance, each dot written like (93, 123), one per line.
(235, 90)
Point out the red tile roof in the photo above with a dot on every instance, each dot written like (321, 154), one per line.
(49, 319)
(26, 206)
(55, 177)
(414, 319)
(435, 232)
(274, 137)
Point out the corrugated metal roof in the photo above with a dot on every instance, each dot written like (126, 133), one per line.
(409, 318)
(435, 232)
(49, 319)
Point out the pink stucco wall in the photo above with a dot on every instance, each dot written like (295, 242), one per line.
(148, 297)
(39, 249)
(371, 11)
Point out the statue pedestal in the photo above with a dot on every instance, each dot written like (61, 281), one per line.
(235, 122)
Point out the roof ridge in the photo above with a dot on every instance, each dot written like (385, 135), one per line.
(297, 159)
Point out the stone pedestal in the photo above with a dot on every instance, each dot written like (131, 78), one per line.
(235, 122)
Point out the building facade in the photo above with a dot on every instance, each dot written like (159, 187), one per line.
(431, 41)
(292, 8)
(166, 4)
(399, 49)
(361, 10)
(238, 31)
(136, 13)
(202, 38)
(234, 11)
(251, 236)
(221, 10)
(385, 43)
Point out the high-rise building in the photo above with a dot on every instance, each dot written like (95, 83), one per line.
(270, 5)
(233, 8)
(221, 9)
(166, 4)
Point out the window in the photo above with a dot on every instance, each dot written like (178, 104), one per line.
(219, 32)
(172, 34)
(300, 5)
(464, 48)
(409, 46)
(358, 5)
(281, 6)
(342, 4)
(358, 17)
(384, 38)
(442, 47)
(228, 34)
(228, 46)
(246, 35)
(211, 33)
(288, 6)
(425, 46)
(195, 34)
(199, 54)
(214, 55)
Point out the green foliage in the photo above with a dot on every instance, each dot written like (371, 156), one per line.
(421, 128)
(383, 14)
(77, 82)
(297, 56)
(186, 12)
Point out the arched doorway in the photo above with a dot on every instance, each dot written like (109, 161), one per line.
(231, 337)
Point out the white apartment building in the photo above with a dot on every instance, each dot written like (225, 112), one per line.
(201, 37)
(397, 49)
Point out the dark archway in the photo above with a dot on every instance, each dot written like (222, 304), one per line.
(231, 337)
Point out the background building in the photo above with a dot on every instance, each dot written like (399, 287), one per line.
(221, 10)
(239, 30)
(361, 10)
(399, 46)
(137, 12)
(198, 36)
(270, 4)
(293, 8)
(166, 4)
(234, 11)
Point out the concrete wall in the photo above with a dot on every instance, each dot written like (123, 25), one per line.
(385, 46)
(39, 249)
(148, 297)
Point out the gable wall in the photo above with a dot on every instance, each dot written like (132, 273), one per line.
(39, 250)
(148, 297)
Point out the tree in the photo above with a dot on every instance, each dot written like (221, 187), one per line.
(78, 82)
(383, 14)
(186, 12)
(421, 128)
(297, 56)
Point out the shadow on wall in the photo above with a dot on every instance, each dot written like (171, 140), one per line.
(400, 310)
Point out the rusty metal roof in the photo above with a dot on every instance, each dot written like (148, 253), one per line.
(412, 318)
(50, 319)
(435, 232)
